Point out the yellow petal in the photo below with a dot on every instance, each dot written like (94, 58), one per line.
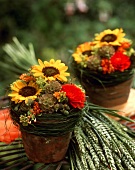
(40, 63)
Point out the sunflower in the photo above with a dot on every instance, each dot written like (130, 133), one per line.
(50, 70)
(83, 51)
(109, 37)
(21, 91)
(85, 48)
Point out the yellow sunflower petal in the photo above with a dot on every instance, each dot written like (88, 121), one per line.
(62, 78)
(13, 93)
(40, 63)
(15, 88)
(65, 73)
(77, 57)
(51, 78)
(63, 68)
(59, 62)
(36, 68)
(19, 84)
(111, 37)
(52, 61)
(46, 64)
(84, 47)
(38, 92)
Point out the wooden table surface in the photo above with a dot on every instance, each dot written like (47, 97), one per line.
(128, 108)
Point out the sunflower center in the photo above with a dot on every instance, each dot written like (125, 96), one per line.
(109, 38)
(88, 53)
(27, 91)
(50, 71)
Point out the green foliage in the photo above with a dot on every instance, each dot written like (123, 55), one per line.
(101, 143)
(45, 23)
(17, 61)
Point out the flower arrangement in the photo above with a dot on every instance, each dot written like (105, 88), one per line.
(105, 67)
(44, 90)
(108, 59)
(46, 106)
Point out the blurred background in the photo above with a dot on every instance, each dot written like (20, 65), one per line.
(56, 27)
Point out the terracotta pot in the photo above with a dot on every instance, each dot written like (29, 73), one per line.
(45, 149)
(109, 96)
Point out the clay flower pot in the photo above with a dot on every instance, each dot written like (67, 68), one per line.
(109, 96)
(47, 149)
(47, 140)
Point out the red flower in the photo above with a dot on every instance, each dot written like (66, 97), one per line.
(75, 95)
(120, 61)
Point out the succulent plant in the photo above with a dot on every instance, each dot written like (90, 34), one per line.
(94, 62)
(52, 86)
(106, 51)
(47, 103)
